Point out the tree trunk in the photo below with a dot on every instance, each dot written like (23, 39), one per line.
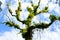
(29, 35)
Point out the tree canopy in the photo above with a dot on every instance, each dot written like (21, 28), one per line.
(27, 32)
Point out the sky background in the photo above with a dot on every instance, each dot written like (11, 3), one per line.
(11, 33)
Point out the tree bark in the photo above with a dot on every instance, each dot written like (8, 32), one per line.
(29, 34)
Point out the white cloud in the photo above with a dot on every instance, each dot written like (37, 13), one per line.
(24, 5)
(43, 35)
(12, 35)
(35, 2)
(43, 3)
(51, 7)
(13, 6)
(3, 5)
(24, 15)
(57, 9)
(47, 34)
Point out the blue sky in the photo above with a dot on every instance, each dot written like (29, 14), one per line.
(6, 32)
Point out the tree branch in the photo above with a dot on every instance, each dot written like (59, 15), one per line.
(35, 7)
(45, 10)
(32, 12)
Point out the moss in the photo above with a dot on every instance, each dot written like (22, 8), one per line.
(53, 18)
(9, 23)
(31, 15)
(19, 7)
(29, 9)
(28, 35)
(17, 15)
(35, 9)
(58, 18)
(32, 4)
(29, 19)
(16, 26)
(44, 11)
(10, 10)
(41, 26)
(46, 8)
